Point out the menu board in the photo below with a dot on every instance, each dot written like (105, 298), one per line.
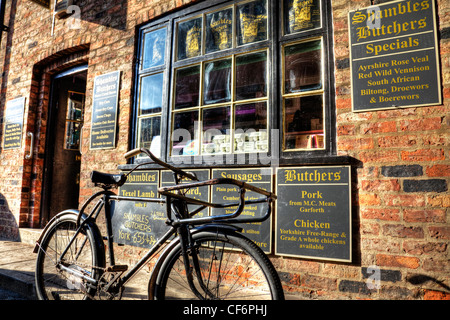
(313, 218)
(137, 223)
(13, 118)
(259, 232)
(394, 56)
(104, 111)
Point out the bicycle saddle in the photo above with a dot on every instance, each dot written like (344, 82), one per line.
(108, 180)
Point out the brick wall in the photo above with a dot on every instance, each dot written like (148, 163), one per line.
(401, 198)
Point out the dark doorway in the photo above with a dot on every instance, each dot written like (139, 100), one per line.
(62, 156)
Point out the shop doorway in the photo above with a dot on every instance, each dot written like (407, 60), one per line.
(62, 152)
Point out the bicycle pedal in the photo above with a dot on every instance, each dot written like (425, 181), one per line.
(117, 268)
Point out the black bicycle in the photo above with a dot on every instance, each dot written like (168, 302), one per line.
(199, 257)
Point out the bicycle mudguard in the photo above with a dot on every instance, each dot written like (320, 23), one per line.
(208, 227)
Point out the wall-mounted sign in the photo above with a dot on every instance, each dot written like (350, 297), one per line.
(13, 118)
(259, 232)
(394, 56)
(139, 224)
(313, 217)
(104, 111)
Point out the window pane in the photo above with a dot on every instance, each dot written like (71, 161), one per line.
(251, 76)
(154, 48)
(219, 30)
(216, 126)
(150, 134)
(75, 106)
(251, 22)
(301, 15)
(303, 67)
(217, 82)
(251, 127)
(303, 122)
(185, 133)
(187, 87)
(72, 140)
(189, 38)
(150, 100)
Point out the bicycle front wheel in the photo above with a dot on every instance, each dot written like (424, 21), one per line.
(230, 267)
(63, 277)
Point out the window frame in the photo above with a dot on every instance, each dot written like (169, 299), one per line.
(274, 45)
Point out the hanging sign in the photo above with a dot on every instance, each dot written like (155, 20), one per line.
(313, 218)
(394, 56)
(104, 111)
(12, 131)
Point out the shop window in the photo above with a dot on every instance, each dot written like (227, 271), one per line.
(74, 120)
(220, 79)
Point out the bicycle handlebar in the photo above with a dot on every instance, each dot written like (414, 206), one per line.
(137, 151)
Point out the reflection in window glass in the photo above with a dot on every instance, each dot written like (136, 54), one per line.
(219, 30)
(154, 48)
(185, 135)
(73, 130)
(251, 22)
(150, 100)
(251, 127)
(187, 87)
(216, 133)
(150, 134)
(251, 76)
(74, 120)
(301, 15)
(303, 122)
(189, 38)
(302, 67)
(217, 82)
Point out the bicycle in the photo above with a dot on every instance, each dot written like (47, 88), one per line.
(199, 257)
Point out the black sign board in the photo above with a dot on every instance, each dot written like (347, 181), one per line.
(104, 111)
(44, 3)
(13, 118)
(139, 224)
(394, 56)
(313, 217)
(200, 193)
(259, 232)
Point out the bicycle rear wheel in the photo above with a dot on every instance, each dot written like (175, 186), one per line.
(53, 280)
(232, 268)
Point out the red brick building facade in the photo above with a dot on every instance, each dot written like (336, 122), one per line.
(399, 158)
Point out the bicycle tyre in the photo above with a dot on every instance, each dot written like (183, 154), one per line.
(233, 268)
(52, 283)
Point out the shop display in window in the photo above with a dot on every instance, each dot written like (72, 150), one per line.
(251, 128)
(154, 48)
(301, 15)
(189, 38)
(74, 120)
(219, 30)
(216, 130)
(185, 133)
(251, 76)
(251, 22)
(303, 67)
(303, 123)
(150, 134)
(187, 87)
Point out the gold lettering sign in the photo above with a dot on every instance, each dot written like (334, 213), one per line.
(193, 42)
(252, 22)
